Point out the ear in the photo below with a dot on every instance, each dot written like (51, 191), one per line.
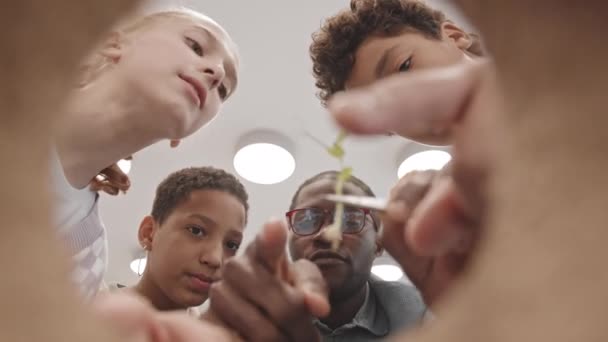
(379, 246)
(147, 229)
(113, 46)
(458, 36)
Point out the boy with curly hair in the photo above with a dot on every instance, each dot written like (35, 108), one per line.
(376, 38)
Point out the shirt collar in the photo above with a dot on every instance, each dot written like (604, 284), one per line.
(368, 317)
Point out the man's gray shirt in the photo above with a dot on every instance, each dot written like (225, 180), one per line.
(388, 307)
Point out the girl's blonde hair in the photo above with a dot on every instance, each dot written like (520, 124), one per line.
(97, 63)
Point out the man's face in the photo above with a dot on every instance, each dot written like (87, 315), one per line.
(347, 269)
(380, 56)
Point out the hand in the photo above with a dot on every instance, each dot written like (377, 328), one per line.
(264, 298)
(434, 106)
(415, 214)
(111, 180)
(422, 106)
(137, 321)
(431, 228)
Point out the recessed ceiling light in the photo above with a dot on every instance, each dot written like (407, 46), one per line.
(387, 272)
(138, 265)
(124, 165)
(264, 163)
(426, 160)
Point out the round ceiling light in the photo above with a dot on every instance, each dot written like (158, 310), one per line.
(426, 160)
(264, 163)
(138, 266)
(387, 272)
(124, 165)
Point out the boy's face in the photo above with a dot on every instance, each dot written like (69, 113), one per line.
(179, 71)
(380, 56)
(189, 249)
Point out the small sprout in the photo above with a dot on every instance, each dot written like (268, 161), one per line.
(336, 150)
(334, 232)
(345, 174)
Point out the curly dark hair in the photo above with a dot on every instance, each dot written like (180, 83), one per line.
(334, 45)
(178, 186)
(332, 175)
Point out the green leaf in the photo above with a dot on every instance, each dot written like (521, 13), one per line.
(336, 151)
(345, 174)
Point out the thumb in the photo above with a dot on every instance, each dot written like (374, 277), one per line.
(421, 106)
(307, 277)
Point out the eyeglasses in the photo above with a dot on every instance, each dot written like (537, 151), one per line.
(309, 221)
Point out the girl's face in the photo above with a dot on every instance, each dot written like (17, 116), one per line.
(178, 70)
(188, 250)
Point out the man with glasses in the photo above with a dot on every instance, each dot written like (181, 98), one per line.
(363, 307)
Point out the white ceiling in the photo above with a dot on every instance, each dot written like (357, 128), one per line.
(276, 91)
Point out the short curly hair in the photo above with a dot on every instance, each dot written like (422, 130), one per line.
(332, 174)
(178, 186)
(334, 45)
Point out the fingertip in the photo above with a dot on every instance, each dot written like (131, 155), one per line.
(317, 304)
(273, 232)
(269, 245)
(352, 111)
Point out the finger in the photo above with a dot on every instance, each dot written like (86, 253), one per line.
(284, 305)
(115, 175)
(446, 269)
(297, 320)
(421, 106)
(180, 327)
(269, 246)
(308, 278)
(110, 189)
(394, 221)
(242, 316)
(302, 328)
(105, 186)
(412, 187)
(174, 143)
(439, 224)
(405, 198)
(95, 185)
(129, 314)
(416, 267)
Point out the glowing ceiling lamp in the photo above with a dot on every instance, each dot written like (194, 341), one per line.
(425, 160)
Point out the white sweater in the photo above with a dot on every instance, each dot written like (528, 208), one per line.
(80, 227)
